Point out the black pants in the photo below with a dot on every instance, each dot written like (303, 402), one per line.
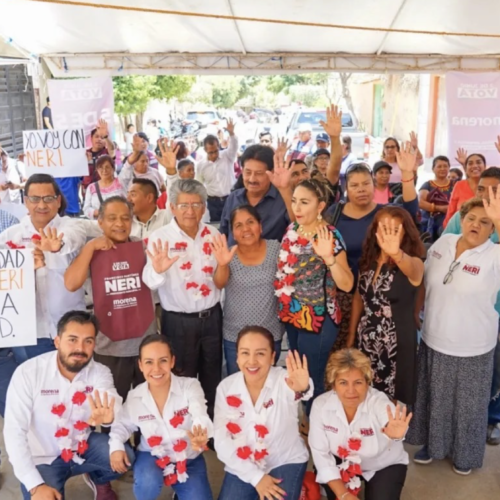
(386, 484)
(197, 345)
(215, 207)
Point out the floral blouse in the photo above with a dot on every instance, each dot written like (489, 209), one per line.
(304, 285)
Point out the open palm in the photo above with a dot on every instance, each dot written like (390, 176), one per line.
(49, 240)
(101, 411)
(388, 237)
(398, 423)
(160, 259)
(333, 124)
(168, 157)
(492, 206)
(323, 244)
(223, 255)
(298, 372)
(407, 158)
(198, 437)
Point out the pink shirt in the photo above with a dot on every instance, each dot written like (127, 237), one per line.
(396, 171)
(381, 197)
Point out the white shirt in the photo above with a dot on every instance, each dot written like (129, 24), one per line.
(329, 429)
(141, 230)
(188, 285)
(347, 162)
(127, 175)
(13, 174)
(460, 317)
(218, 176)
(92, 201)
(30, 427)
(276, 408)
(185, 399)
(52, 298)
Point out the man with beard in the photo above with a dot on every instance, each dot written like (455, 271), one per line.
(52, 403)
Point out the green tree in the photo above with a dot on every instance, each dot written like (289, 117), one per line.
(282, 83)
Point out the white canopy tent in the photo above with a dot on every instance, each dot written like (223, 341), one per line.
(119, 37)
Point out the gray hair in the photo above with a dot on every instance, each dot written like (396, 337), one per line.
(187, 186)
(114, 199)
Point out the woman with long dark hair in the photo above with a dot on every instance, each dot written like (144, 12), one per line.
(390, 272)
(391, 150)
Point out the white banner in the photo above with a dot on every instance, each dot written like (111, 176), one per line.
(17, 298)
(60, 153)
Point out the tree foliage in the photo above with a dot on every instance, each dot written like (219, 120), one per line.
(282, 83)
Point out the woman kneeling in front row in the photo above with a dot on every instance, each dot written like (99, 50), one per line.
(256, 422)
(356, 433)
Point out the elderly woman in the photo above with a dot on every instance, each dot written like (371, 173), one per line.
(356, 433)
(460, 331)
(256, 434)
(247, 272)
(107, 185)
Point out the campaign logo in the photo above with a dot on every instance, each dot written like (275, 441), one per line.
(128, 284)
(144, 418)
(330, 428)
(49, 392)
(366, 432)
(180, 246)
(474, 270)
(268, 404)
(120, 266)
(435, 254)
(181, 413)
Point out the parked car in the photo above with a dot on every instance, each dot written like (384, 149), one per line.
(313, 117)
(209, 116)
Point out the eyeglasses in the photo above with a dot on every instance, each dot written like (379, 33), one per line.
(186, 206)
(449, 275)
(38, 199)
(390, 147)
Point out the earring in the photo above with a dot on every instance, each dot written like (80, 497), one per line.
(320, 218)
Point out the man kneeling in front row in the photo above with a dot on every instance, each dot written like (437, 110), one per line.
(53, 401)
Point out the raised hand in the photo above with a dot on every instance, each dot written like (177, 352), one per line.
(49, 240)
(160, 260)
(298, 373)
(497, 144)
(223, 255)
(388, 237)
(323, 244)
(39, 258)
(281, 175)
(406, 158)
(414, 140)
(168, 158)
(398, 423)
(268, 488)
(492, 206)
(279, 154)
(101, 412)
(333, 124)
(102, 128)
(198, 437)
(462, 156)
(119, 461)
(230, 126)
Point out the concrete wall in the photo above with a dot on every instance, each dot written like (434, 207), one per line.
(362, 98)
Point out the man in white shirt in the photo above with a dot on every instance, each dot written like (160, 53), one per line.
(12, 179)
(181, 267)
(50, 411)
(217, 171)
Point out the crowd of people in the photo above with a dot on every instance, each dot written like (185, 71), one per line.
(372, 282)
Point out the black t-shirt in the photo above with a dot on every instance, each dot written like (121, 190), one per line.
(47, 113)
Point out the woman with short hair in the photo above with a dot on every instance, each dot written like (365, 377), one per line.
(459, 335)
(356, 433)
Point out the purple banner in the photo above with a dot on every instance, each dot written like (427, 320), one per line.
(473, 106)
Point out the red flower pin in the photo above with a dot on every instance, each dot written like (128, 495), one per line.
(207, 249)
(67, 455)
(58, 410)
(154, 441)
(83, 446)
(62, 432)
(176, 421)
(342, 452)
(80, 425)
(354, 444)
(259, 455)
(36, 237)
(205, 232)
(233, 428)
(262, 431)
(180, 245)
(170, 479)
(78, 398)
(13, 246)
(344, 475)
(146, 241)
(181, 467)
(163, 462)
(180, 445)
(208, 269)
(186, 266)
(244, 452)
(205, 290)
(355, 470)
(191, 284)
(234, 401)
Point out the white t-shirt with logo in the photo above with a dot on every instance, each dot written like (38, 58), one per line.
(460, 317)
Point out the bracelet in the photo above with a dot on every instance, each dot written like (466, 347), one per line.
(401, 259)
(408, 180)
(332, 264)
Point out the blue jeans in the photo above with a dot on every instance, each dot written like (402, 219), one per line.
(292, 475)
(96, 465)
(316, 347)
(148, 479)
(230, 354)
(494, 407)
(42, 346)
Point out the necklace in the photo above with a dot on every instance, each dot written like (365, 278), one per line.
(307, 234)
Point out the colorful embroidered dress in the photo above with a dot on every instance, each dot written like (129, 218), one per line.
(304, 285)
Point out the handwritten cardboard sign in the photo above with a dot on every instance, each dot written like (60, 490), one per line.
(60, 153)
(17, 299)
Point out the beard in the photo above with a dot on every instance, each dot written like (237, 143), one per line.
(74, 365)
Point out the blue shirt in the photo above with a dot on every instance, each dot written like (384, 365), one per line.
(7, 220)
(454, 227)
(271, 208)
(69, 187)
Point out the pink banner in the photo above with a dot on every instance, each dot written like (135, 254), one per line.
(473, 105)
(81, 103)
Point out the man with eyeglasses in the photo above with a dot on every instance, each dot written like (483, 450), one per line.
(217, 171)
(180, 266)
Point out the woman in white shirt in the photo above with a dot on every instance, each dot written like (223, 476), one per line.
(256, 422)
(460, 332)
(140, 168)
(107, 185)
(171, 413)
(356, 433)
